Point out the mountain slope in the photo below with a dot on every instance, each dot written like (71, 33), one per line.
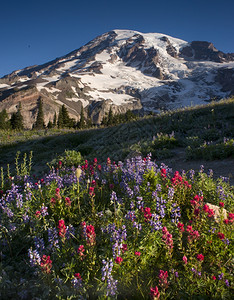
(125, 69)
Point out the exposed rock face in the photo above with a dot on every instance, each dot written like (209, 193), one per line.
(125, 69)
(226, 79)
(200, 50)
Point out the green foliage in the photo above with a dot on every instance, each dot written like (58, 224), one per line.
(212, 151)
(68, 159)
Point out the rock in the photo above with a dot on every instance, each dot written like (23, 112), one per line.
(218, 212)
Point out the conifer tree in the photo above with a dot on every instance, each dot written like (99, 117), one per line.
(55, 120)
(4, 122)
(39, 124)
(60, 118)
(81, 123)
(50, 125)
(110, 120)
(63, 118)
(17, 119)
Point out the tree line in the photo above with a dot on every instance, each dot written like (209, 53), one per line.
(62, 120)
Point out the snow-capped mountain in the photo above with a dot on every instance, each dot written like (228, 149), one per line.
(125, 69)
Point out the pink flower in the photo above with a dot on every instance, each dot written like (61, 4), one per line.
(213, 277)
(163, 278)
(38, 213)
(200, 257)
(181, 227)
(137, 253)
(147, 214)
(118, 260)
(230, 217)
(221, 236)
(62, 228)
(80, 251)
(154, 293)
(167, 238)
(225, 221)
(68, 201)
(91, 235)
(206, 208)
(78, 276)
(189, 228)
(185, 259)
(46, 264)
(163, 173)
(124, 248)
(210, 213)
(91, 191)
(221, 204)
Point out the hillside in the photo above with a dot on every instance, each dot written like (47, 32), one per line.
(183, 139)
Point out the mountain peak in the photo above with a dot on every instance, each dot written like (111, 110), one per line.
(126, 69)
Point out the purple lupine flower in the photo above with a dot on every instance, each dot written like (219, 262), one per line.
(130, 215)
(77, 283)
(111, 286)
(53, 239)
(201, 169)
(220, 276)
(19, 200)
(136, 225)
(106, 269)
(175, 213)
(226, 241)
(39, 244)
(8, 211)
(12, 227)
(44, 211)
(25, 218)
(34, 257)
(132, 205)
(210, 173)
(192, 173)
(70, 231)
(106, 275)
(227, 283)
(170, 194)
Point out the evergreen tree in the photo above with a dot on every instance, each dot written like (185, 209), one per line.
(60, 118)
(104, 120)
(55, 120)
(50, 125)
(63, 118)
(39, 124)
(17, 119)
(81, 123)
(110, 120)
(4, 122)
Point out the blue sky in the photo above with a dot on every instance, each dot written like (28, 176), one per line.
(34, 32)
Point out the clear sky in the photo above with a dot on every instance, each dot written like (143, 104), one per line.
(36, 31)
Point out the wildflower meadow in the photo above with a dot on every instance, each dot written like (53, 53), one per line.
(132, 230)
